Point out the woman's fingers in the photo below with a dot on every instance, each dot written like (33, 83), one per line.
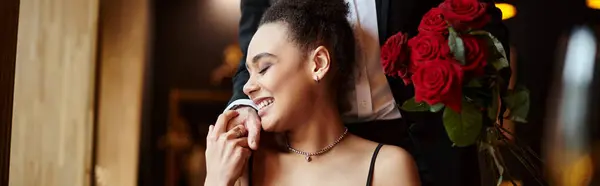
(237, 148)
(222, 121)
(236, 132)
(227, 151)
(210, 137)
(240, 142)
(241, 154)
(232, 144)
(246, 152)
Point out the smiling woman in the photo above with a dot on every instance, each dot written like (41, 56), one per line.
(287, 63)
(299, 61)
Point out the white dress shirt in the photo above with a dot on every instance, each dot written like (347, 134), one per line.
(371, 98)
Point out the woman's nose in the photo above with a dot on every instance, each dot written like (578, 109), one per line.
(250, 87)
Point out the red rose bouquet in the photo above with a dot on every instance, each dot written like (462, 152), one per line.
(457, 68)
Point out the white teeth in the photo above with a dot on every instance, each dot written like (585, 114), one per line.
(264, 103)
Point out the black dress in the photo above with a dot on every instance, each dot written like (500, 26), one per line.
(369, 176)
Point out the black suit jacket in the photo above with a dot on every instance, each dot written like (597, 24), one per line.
(438, 161)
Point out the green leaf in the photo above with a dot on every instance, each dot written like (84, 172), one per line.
(498, 56)
(493, 108)
(517, 101)
(436, 107)
(499, 63)
(457, 46)
(498, 45)
(463, 128)
(479, 32)
(412, 106)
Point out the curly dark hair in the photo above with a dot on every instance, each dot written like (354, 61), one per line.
(313, 23)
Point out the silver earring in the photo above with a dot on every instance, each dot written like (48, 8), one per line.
(316, 78)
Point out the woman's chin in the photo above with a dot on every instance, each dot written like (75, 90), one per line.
(269, 125)
(268, 129)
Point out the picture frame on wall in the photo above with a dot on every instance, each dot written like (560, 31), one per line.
(189, 115)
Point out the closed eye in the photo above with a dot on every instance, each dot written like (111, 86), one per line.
(255, 60)
(263, 70)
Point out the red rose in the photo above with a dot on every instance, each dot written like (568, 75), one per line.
(439, 81)
(433, 22)
(476, 55)
(394, 57)
(465, 14)
(427, 47)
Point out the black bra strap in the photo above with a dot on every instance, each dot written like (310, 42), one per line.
(372, 166)
(250, 168)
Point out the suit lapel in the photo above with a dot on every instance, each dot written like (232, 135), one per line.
(383, 8)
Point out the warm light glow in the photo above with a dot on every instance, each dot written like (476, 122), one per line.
(509, 11)
(222, 16)
(595, 4)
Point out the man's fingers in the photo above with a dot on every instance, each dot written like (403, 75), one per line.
(254, 127)
(222, 122)
(239, 120)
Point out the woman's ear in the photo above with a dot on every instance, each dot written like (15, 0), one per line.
(320, 63)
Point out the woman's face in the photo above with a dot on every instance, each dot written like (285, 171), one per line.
(281, 79)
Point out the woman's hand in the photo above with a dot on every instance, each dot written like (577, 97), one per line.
(226, 152)
(249, 118)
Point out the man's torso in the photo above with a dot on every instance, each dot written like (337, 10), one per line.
(371, 97)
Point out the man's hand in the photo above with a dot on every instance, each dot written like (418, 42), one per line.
(249, 118)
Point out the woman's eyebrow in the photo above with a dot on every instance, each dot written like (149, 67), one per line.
(257, 57)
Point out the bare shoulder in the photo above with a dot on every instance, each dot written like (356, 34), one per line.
(395, 166)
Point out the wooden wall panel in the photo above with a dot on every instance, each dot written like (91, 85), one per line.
(9, 19)
(123, 57)
(51, 142)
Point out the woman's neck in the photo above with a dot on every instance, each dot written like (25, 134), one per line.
(323, 127)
